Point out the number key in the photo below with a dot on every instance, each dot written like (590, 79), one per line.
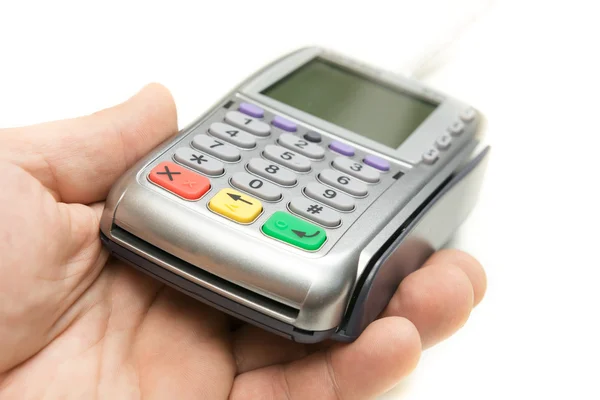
(256, 186)
(356, 169)
(301, 146)
(216, 148)
(272, 172)
(329, 196)
(343, 182)
(232, 135)
(289, 159)
(252, 125)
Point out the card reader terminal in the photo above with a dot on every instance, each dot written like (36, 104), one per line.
(302, 198)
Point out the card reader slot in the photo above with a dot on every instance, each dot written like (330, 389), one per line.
(183, 268)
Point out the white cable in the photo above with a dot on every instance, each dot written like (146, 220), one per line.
(426, 62)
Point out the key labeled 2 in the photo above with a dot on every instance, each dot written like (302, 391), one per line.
(301, 146)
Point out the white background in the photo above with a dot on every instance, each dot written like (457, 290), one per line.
(531, 67)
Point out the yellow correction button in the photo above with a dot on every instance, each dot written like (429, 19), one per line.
(236, 206)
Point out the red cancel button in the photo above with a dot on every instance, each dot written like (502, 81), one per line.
(179, 180)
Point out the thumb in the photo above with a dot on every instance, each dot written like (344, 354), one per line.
(79, 159)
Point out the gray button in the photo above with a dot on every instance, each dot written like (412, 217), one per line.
(301, 146)
(431, 156)
(247, 123)
(314, 137)
(443, 142)
(329, 196)
(468, 115)
(232, 135)
(356, 169)
(456, 128)
(216, 148)
(315, 211)
(272, 172)
(198, 161)
(287, 158)
(256, 186)
(343, 182)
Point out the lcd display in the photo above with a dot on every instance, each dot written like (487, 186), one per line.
(352, 101)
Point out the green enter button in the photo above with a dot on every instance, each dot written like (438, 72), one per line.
(295, 231)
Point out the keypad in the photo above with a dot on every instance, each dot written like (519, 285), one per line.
(305, 195)
(314, 211)
(301, 146)
(356, 169)
(343, 182)
(331, 197)
(232, 135)
(198, 161)
(250, 124)
(217, 148)
(256, 186)
(272, 172)
(289, 159)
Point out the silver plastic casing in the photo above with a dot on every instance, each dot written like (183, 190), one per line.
(311, 292)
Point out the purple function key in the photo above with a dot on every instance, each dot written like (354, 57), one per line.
(251, 110)
(284, 124)
(377, 163)
(342, 148)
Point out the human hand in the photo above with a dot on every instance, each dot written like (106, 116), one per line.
(76, 324)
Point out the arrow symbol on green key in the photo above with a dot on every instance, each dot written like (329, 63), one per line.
(303, 234)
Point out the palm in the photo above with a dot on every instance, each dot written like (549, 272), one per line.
(74, 323)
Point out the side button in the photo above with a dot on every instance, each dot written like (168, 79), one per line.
(431, 156)
(443, 142)
(456, 128)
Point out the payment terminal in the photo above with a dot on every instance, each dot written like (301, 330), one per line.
(300, 201)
